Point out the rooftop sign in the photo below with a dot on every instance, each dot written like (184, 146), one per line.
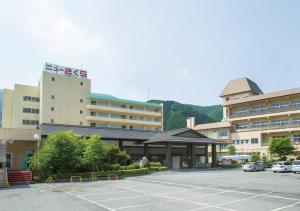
(68, 71)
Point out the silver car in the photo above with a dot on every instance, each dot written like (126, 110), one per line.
(296, 166)
(253, 166)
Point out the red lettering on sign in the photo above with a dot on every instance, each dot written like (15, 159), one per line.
(83, 73)
(68, 71)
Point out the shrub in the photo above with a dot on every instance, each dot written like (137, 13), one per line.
(107, 167)
(133, 171)
(155, 164)
(163, 168)
(116, 166)
(135, 165)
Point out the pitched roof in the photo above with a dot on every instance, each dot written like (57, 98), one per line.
(214, 125)
(105, 133)
(180, 136)
(264, 96)
(239, 86)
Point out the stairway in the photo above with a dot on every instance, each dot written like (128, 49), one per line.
(19, 176)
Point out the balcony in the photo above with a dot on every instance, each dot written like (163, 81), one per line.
(122, 121)
(269, 127)
(254, 112)
(123, 110)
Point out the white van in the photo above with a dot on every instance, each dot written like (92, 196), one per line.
(296, 166)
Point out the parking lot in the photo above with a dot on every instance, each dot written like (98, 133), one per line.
(171, 190)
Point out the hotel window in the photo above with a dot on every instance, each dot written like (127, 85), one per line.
(130, 127)
(242, 126)
(242, 112)
(8, 163)
(259, 109)
(93, 102)
(280, 122)
(296, 104)
(223, 146)
(80, 111)
(279, 106)
(31, 110)
(93, 124)
(53, 79)
(296, 138)
(52, 97)
(30, 122)
(242, 141)
(283, 136)
(123, 116)
(52, 121)
(296, 121)
(52, 108)
(123, 106)
(223, 132)
(93, 113)
(260, 124)
(124, 126)
(81, 83)
(80, 123)
(27, 98)
(35, 99)
(81, 100)
(254, 140)
(246, 141)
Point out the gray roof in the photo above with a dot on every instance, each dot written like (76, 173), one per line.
(105, 133)
(239, 86)
(179, 136)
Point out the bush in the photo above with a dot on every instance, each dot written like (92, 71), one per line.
(135, 165)
(133, 171)
(163, 168)
(155, 164)
(107, 167)
(232, 166)
(116, 166)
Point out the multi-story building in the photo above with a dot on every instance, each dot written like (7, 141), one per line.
(251, 118)
(63, 96)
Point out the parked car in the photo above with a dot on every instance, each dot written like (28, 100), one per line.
(264, 164)
(253, 166)
(296, 166)
(281, 166)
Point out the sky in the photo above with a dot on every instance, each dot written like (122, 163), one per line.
(182, 50)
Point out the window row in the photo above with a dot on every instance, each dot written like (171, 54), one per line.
(31, 110)
(115, 105)
(277, 122)
(265, 108)
(245, 141)
(53, 79)
(30, 122)
(31, 99)
(120, 116)
(120, 126)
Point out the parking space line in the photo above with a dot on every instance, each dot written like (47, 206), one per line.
(143, 205)
(180, 199)
(95, 194)
(90, 201)
(291, 205)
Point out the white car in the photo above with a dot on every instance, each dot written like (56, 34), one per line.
(296, 166)
(281, 166)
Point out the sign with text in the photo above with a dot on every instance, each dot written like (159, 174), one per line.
(68, 71)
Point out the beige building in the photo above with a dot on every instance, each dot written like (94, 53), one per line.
(63, 97)
(251, 119)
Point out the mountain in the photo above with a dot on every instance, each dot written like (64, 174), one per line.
(175, 113)
(1, 107)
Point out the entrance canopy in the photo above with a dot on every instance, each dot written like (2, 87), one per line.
(182, 136)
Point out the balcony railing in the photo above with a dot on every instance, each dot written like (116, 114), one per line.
(254, 112)
(269, 127)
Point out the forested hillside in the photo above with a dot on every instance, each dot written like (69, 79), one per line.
(175, 113)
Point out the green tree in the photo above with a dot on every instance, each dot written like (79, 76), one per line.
(175, 120)
(255, 156)
(94, 152)
(281, 147)
(59, 153)
(264, 158)
(231, 150)
(115, 155)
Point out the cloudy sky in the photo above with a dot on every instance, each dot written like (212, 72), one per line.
(183, 50)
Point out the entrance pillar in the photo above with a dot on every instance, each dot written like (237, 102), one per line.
(214, 155)
(168, 156)
(192, 165)
(121, 145)
(146, 150)
(206, 155)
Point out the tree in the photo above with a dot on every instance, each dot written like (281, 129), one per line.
(281, 147)
(264, 158)
(231, 150)
(255, 156)
(60, 153)
(176, 120)
(115, 155)
(94, 152)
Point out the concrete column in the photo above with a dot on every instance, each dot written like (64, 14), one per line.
(214, 155)
(168, 156)
(206, 155)
(121, 145)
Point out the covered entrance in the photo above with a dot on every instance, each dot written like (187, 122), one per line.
(187, 148)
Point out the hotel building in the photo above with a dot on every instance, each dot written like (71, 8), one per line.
(251, 118)
(63, 101)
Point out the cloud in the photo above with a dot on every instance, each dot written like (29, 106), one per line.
(49, 25)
